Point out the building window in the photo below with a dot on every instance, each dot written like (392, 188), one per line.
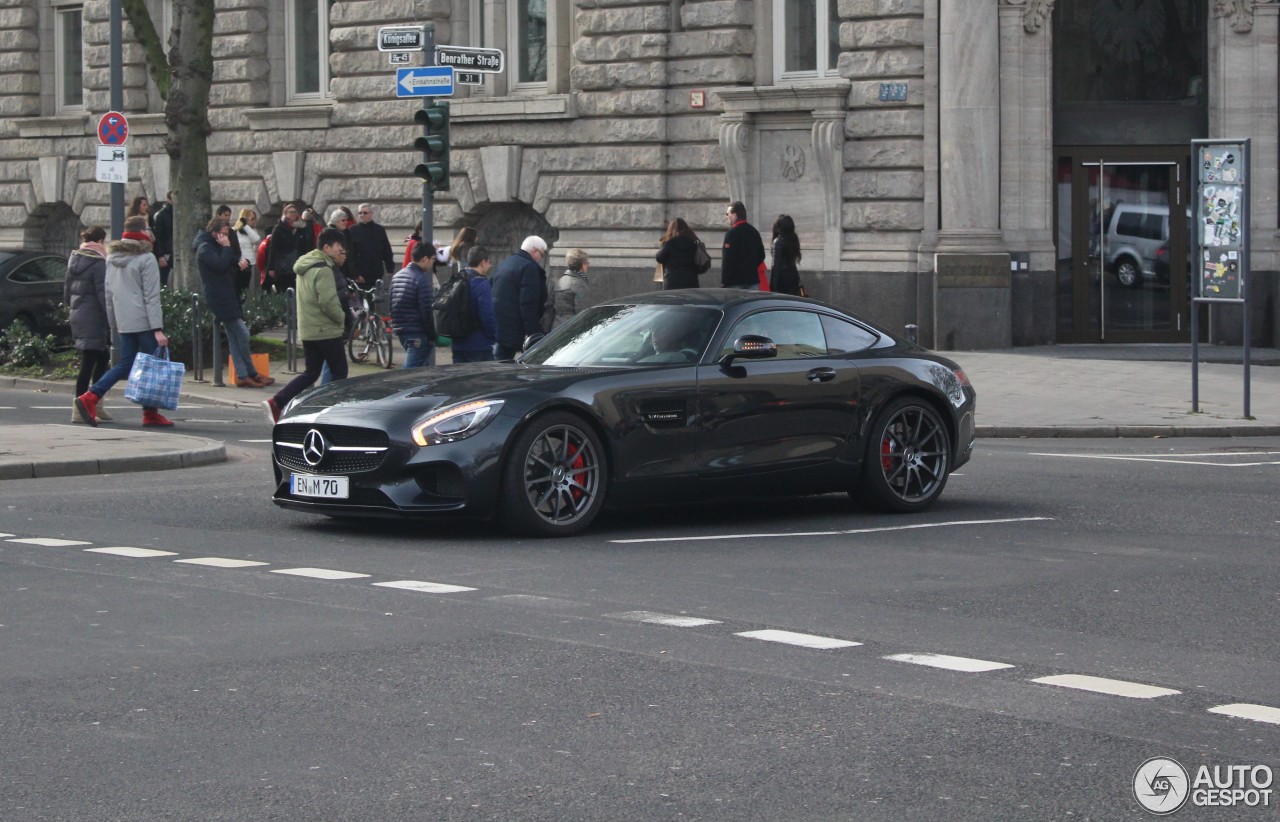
(307, 43)
(528, 29)
(809, 45)
(69, 57)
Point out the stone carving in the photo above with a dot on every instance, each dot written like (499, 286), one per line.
(1238, 12)
(828, 153)
(1035, 15)
(733, 150)
(792, 162)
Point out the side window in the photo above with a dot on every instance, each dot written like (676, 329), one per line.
(36, 271)
(798, 334)
(1129, 223)
(845, 337)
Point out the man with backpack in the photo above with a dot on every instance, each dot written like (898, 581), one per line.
(477, 346)
(412, 296)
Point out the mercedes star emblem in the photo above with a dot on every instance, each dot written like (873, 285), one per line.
(314, 446)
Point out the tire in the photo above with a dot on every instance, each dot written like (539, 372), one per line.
(908, 457)
(555, 478)
(358, 345)
(1128, 273)
(381, 341)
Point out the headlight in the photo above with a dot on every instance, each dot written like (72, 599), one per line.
(456, 423)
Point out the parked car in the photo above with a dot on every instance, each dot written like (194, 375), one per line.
(670, 396)
(31, 290)
(1135, 234)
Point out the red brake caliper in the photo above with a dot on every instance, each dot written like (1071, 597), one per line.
(576, 461)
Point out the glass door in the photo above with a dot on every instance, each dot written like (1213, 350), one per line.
(1125, 224)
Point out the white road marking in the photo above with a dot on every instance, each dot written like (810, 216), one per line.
(2, 536)
(655, 618)
(255, 440)
(1172, 459)
(1243, 710)
(49, 542)
(424, 587)
(318, 573)
(221, 562)
(8, 408)
(125, 551)
(803, 640)
(790, 534)
(1113, 687)
(50, 407)
(951, 663)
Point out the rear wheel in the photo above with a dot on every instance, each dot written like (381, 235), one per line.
(381, 341)
(555, 479)
(1128, 273)
(908, 457)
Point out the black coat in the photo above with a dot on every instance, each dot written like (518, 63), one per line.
(411, 296)
(217, 265)
(743, 255)
(370, 253)
(519, 297)
(85, 291)
(785, 278)
(676, 256)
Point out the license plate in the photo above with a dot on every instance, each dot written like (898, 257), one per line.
(308, 485)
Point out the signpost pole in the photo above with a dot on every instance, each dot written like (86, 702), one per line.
(428, 226)
(117, 104)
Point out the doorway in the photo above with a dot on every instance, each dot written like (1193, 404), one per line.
(1123, 231)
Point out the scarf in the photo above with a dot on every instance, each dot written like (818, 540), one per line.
(94, 249)
(136, 235)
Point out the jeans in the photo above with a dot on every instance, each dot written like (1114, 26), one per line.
(131, 345)
(238, 346)
(318, 354)
(417, 350)
(483, 355)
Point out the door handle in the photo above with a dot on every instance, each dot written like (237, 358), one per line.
(821, 375)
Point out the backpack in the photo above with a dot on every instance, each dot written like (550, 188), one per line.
(452, 308)
(701, 259)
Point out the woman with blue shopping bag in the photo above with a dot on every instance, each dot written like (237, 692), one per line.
(133, 309)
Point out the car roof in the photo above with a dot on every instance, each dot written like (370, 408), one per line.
(714, 297)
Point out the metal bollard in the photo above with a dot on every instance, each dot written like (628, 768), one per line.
(911, 329)
(197, 339)
(217, 354)
(291, 330)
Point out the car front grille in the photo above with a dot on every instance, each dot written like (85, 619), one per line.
(347, 450)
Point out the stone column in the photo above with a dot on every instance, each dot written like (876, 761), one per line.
(969, 126)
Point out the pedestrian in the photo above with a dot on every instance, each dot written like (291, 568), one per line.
(461, 247)
(340, 219)
(219, 263)
(412, 319)
(141, 207)
(291, 239)
(246, 230)
(409, 242)
(743, 263)
(572, 290)
(133, 309)
(519, 296)
(224, 212)
(321, 319)
(785, 278)
(478, 345)
(679, 245)
(372, 257)
(85, 292)
(162, 228)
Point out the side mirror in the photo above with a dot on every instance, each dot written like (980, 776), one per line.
(750, 347)
(529, 342)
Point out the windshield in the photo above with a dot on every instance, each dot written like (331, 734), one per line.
(610, 335)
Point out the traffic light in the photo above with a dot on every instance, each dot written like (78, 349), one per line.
(434, 144)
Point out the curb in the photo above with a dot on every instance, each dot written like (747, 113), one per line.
(213, 453)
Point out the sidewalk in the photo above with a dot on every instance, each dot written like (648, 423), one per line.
(1053, 391)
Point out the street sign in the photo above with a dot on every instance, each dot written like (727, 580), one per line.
(113, 164)
(113, 129)
(487, 61)
(424, 81)
(468, 78)
(401, 38)
(400, 58)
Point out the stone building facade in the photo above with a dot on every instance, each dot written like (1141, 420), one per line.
(931, 152)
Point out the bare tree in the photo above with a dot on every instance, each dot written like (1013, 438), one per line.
(183, 75)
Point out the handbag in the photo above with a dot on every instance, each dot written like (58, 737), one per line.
(701, 259)
(155, 382)
(803, 292)
(659, 275)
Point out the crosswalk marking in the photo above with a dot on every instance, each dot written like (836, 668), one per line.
(48, 542)
(318, 573)
(673, 620)
(221, 562)
(803, 640)
(1243, 710)
(950, 663)
(424, 587)
(125, 551)
(1112, 687)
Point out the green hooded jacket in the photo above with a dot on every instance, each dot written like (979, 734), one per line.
(320, 312)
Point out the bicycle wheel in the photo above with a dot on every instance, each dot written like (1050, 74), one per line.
(381, 341)
(358, 346)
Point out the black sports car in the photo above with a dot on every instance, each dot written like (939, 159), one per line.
(667, 396)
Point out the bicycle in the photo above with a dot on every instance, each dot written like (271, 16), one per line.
(372, 330)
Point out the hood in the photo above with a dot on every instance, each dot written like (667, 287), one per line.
(81, 261)
(419, 390)
(202, 237)
(312, 259)
(127, 248)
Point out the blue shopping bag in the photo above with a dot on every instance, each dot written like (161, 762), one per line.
(155, 382)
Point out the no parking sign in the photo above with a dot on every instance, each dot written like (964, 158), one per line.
(113, 129)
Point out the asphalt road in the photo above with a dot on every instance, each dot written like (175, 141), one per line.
(620, 675)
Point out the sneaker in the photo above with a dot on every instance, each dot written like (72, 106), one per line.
(248, 382)
(87, 406)
(272, 410)
(153, 419)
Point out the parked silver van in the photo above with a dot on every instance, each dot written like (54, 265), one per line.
(1135, 233)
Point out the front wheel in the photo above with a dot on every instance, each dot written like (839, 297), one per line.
(380, 340)
(1128, 273)
(907, 458)
(358, 345)
(555, 478)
